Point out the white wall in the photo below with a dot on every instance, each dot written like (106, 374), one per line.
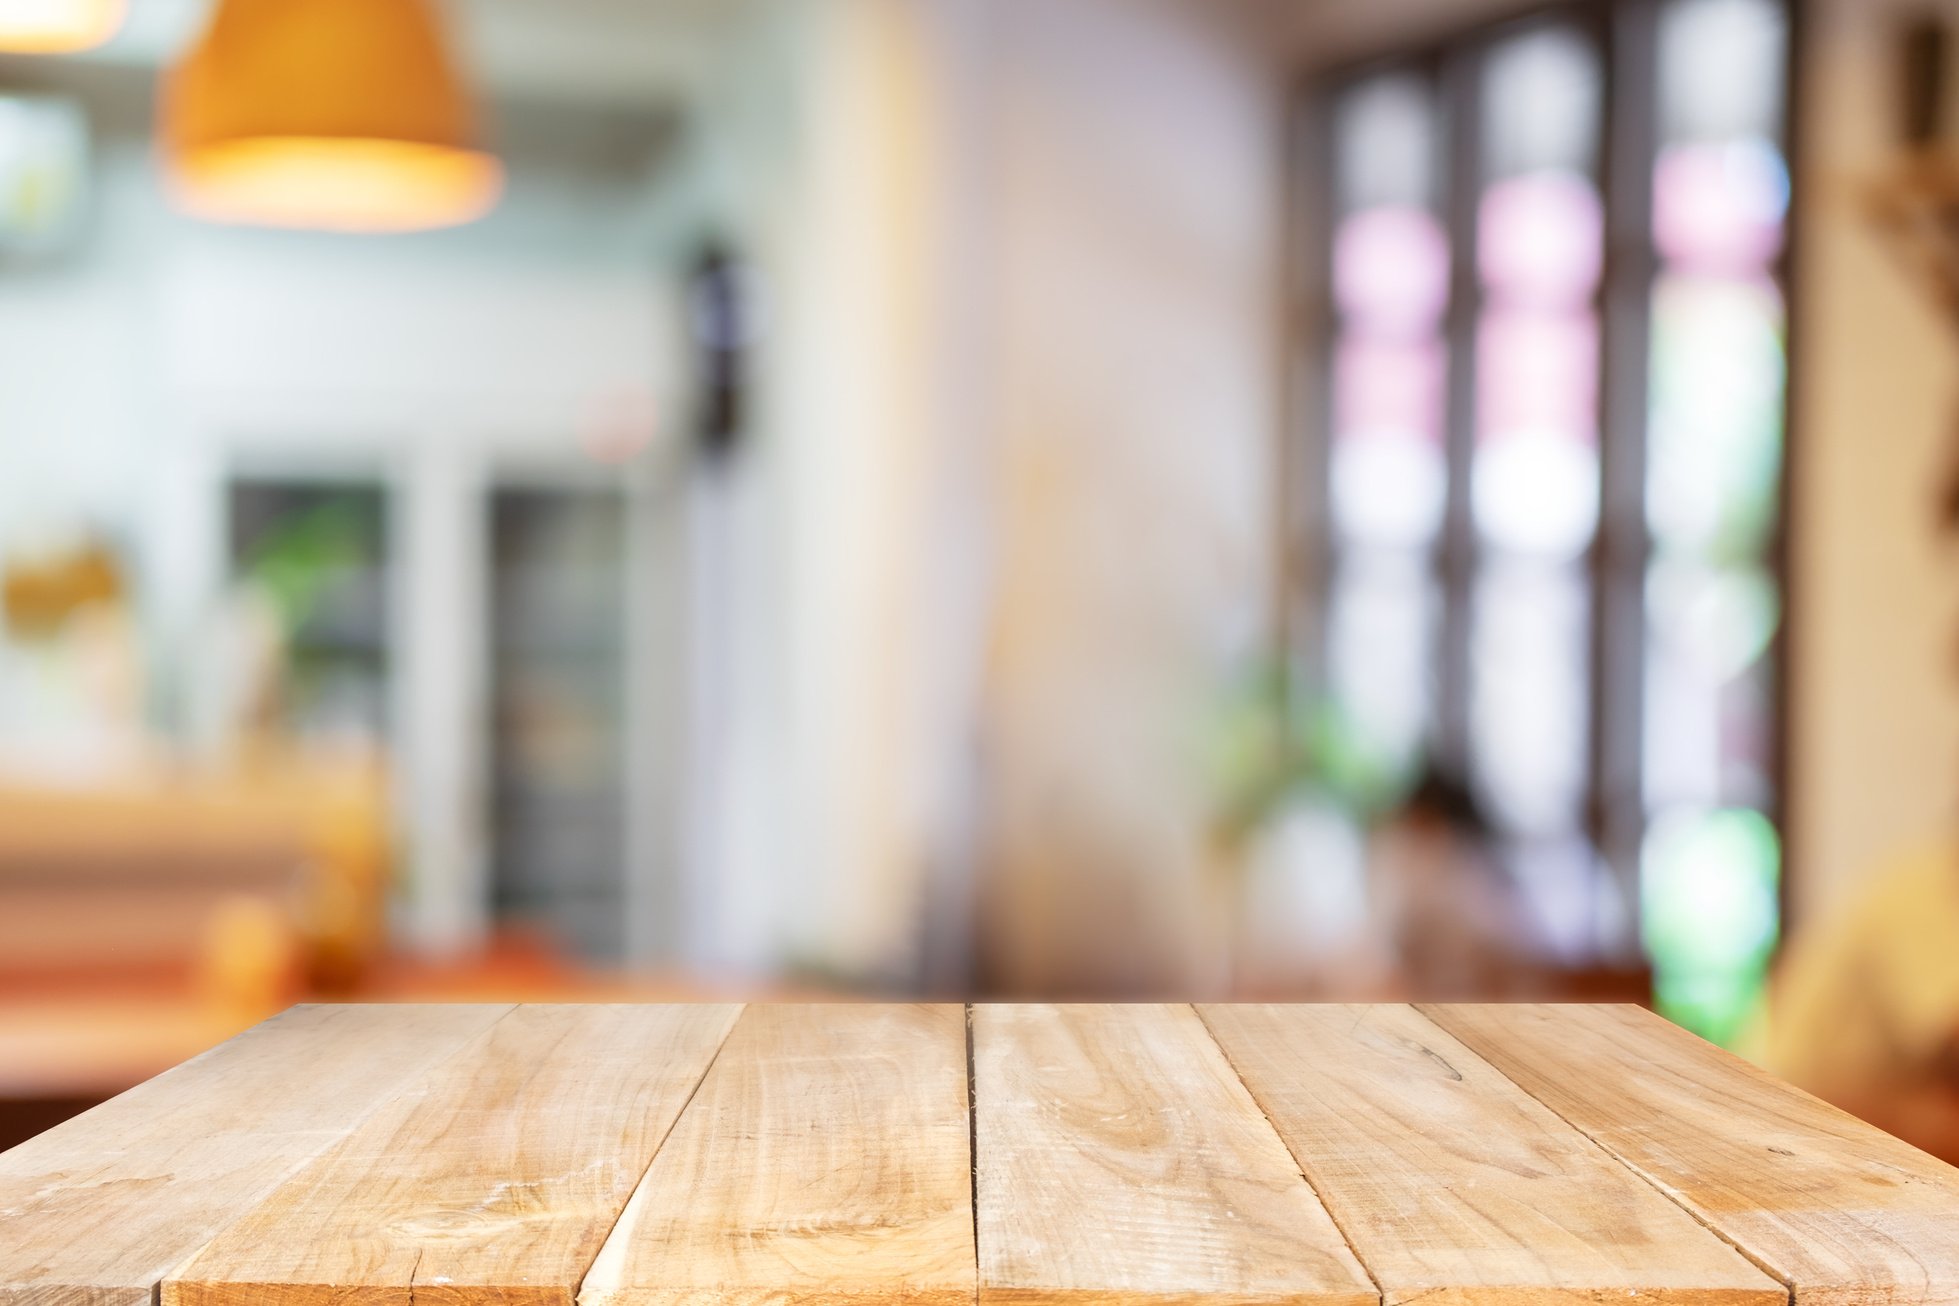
(1875, 732)
(835, 610)
(1001, 530)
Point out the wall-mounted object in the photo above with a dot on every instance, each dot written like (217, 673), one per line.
(721, 317)
(1914, 202)
(44, 145)
(329, 115)
(1924, 55)
(58, 26)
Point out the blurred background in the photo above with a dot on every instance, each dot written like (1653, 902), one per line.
(650, 499)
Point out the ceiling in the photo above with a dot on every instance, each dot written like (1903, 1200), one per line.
(624, 53)
(638, 54)
(644, 57)
(1311, 35)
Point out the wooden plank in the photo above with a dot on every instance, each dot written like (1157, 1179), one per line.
(1843, 1213)
(496, 1178)
(1120, 1159)
(97, 1210)
(1452, 1183)
(824, 1160)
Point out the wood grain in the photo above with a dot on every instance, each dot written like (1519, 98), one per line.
(1121, 1160)
(496, 1178)
(96, 1211)
(824, 1160)
(1843, 1213)
(1455, 1186)
(1127, 1156)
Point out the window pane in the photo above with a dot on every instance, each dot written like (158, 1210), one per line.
(1384, 144)
(319, 554)
(1387, 476)
(1540, 239)
(557, 691)
(1719, 207)
(1530, 693)
(1534, 487)
(1387, 473)
(1720, 203)
(1541, 98)
(44, 168)
(1709, 914)
(1714, 465)
(1391, 270)
(1722, 69)
(1714, 459)
(1708, 686)
(1381, 640)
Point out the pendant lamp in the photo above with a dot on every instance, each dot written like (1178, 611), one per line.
(58, 26)
(327, 115)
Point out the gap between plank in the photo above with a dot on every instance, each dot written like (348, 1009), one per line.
(156, 1289)
(1297, 1164)
(1420, 1009)
(972, 1145)
(578, 1289)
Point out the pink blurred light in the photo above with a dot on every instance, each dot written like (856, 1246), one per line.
(1385, 386)
(621, 425)
(1391, 270)
(1540, 238)
(1720, 206)
(1537, 371)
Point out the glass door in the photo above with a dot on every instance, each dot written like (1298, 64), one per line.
(557, 734)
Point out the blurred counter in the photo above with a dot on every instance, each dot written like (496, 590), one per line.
(231, 878)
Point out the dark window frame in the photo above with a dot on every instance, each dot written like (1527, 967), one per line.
(1624, 32)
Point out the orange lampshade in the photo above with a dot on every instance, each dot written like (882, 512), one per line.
(58, 26)
(330, 115)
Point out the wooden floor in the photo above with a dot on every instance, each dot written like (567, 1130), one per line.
(689, 1155)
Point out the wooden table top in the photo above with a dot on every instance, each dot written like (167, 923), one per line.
(775, 1155)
